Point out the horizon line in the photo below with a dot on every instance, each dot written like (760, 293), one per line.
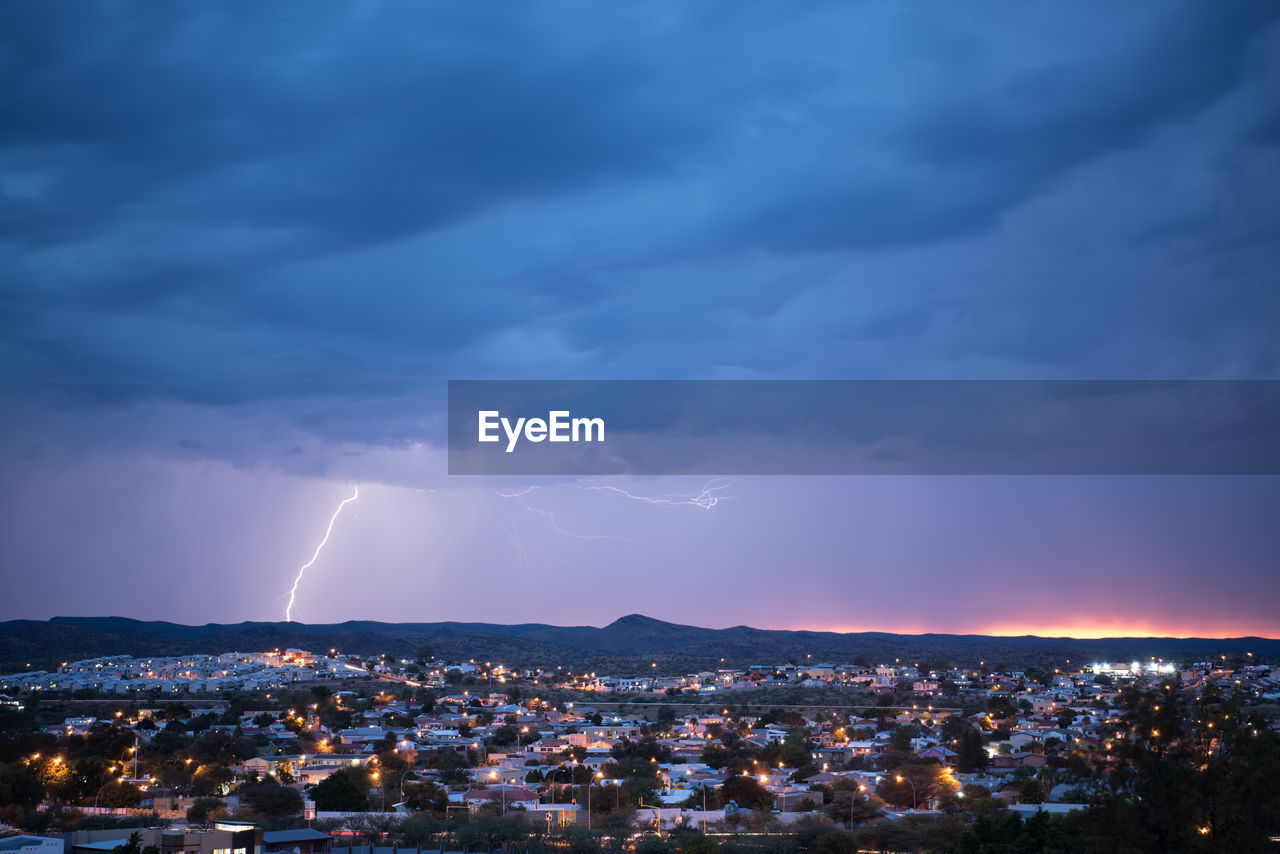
(1046, 633)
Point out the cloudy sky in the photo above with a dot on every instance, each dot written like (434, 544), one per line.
(244, 246)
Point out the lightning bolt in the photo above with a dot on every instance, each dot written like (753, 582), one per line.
(509, 529)
(288, 609)
(708, 497)
(518, 497)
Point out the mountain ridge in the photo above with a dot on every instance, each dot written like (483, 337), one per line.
(631, 643)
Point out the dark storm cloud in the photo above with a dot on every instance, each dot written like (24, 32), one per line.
(987, 138)
(341, 205)
(342, 124)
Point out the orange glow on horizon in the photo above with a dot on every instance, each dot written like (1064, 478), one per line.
(1081, 629)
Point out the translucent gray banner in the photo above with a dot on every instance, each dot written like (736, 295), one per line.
(749, 427)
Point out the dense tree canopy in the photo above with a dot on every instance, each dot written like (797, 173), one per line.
(345, 790)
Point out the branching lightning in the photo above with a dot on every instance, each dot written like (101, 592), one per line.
(705, 499)
(710, 495)
(293, 592)
(509, 529)
(518, 497)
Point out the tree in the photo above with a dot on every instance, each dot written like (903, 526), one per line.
(747, 793)
(637, 789)
(1041, 832)
(796, 748)
(979, 801)
(171, 739)
(19, 786)
(200, 809)
(651, 843)
(344, 790)
(698, 843)
(837, 842)
(1197, 779)
(971, 755)
(715, 756)
(426, 797)
(421, 831)
(219, 747)
(705, 796)
(271, 800)
(131, 846)
(373, 828)
(888, 836)
(917, 784)
(118, 794)
(1030, 792)
(425, 653)
(451, 765)
(212, 779)
(504, 735)
(852, 807)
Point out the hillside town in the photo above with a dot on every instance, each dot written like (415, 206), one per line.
(336, 750)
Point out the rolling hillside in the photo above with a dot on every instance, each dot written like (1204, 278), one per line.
(629, 644)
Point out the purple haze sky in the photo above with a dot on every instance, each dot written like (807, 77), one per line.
(244, 246)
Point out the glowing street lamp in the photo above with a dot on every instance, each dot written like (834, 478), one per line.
(110, 771)
(493, 775)
(590, 785)
(902, 779)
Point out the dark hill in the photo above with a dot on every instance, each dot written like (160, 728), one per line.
(628, 644)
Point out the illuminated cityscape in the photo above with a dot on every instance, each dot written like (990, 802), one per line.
(661, 428)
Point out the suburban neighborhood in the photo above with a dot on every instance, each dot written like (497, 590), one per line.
(292, 747)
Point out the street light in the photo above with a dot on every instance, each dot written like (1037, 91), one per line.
(404, 774)
(560, 768)
(901, 779)
(110, 771)
(493, 775)
(590, 785)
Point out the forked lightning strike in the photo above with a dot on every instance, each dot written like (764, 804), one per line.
(293, 592)
(518, 497)
(711, 495)
(708, 497)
